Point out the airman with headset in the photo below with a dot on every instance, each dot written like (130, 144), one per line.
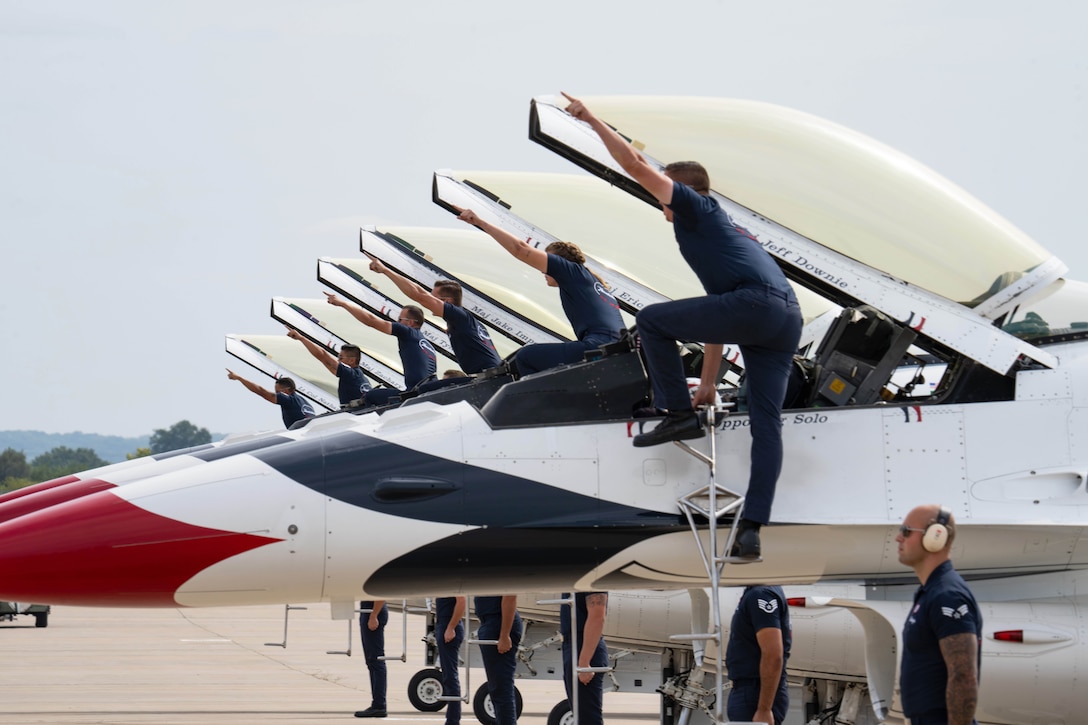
(942, 637)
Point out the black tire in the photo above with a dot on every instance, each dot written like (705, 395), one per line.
(561, 714)
(424, 689)
(41, 619)
(485, 711)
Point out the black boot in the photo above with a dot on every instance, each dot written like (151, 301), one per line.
(678, 425)
(746, 545)
(372, 711)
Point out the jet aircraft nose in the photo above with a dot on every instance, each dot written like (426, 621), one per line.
(50, 496)
(101, 550)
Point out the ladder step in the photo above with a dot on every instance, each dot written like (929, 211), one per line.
(708, 636)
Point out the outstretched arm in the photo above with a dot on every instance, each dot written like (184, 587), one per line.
(367, 318)
(624, 153)
(535, 258)
(269, 395)
(409, 288)
(323, 355)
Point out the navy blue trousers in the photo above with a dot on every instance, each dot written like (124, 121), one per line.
(591, 696)
(500, 668)
(744, 698)
(546, 355)
(449, 661)
(765, 324)
(380, 396)
(373, 651)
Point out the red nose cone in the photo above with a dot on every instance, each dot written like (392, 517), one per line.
(43, 486)
(51, 496)
(101, 550)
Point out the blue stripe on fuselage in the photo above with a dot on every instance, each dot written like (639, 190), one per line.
(381, 476)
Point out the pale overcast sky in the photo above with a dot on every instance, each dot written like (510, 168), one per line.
(168, 167)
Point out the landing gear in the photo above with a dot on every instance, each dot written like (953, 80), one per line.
(561, 714)
(41, 619)
(485, 711)
(424, 689)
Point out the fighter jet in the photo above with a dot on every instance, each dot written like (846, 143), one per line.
(538, 488)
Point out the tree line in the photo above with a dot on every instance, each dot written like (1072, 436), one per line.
(16, 472)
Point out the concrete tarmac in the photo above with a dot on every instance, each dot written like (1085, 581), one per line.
(188, 666)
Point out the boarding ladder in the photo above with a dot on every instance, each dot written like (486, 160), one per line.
(714, 503)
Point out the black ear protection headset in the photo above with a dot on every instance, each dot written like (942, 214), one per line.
(936, 534)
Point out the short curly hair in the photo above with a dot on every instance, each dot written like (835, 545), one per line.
(691, 173)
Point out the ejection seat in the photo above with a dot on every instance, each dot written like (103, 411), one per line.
(606, 386)
(857, 357)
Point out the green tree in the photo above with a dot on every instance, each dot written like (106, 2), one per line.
(12, 484)
(62, 461)
(13, 465)
(182, 434)
(140, 453)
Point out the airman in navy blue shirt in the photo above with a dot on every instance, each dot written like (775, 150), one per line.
(373, 616)
(591, 309)
(942, 637)
(353, 384)
(500, 621)
(449, 633)
(590, 610)
(748, 303)
(755, 658)
(470, 340)
(417, 355)
(293, 407)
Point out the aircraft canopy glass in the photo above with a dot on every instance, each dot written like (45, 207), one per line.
(836, 187)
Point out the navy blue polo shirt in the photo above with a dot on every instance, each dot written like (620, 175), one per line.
(469, 339)
(489, 612)
(590, 308)
(294, 408)
(353, 383)
(487, 606)
(417, 356)
(760, 607)
(723, 255)
(943, 607)
(443, 608)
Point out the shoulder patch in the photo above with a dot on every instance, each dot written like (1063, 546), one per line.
(768, 605)
(958, 613)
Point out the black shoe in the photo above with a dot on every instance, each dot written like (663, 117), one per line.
(746, 545)
(678, 426)
(372, 712)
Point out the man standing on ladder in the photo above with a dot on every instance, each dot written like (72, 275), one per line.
(748, 303)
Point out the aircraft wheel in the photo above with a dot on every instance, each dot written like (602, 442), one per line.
(424, 689)
(561, 714)
(485, 711)
(41, 619)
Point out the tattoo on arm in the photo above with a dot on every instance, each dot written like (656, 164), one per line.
(960, 652)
